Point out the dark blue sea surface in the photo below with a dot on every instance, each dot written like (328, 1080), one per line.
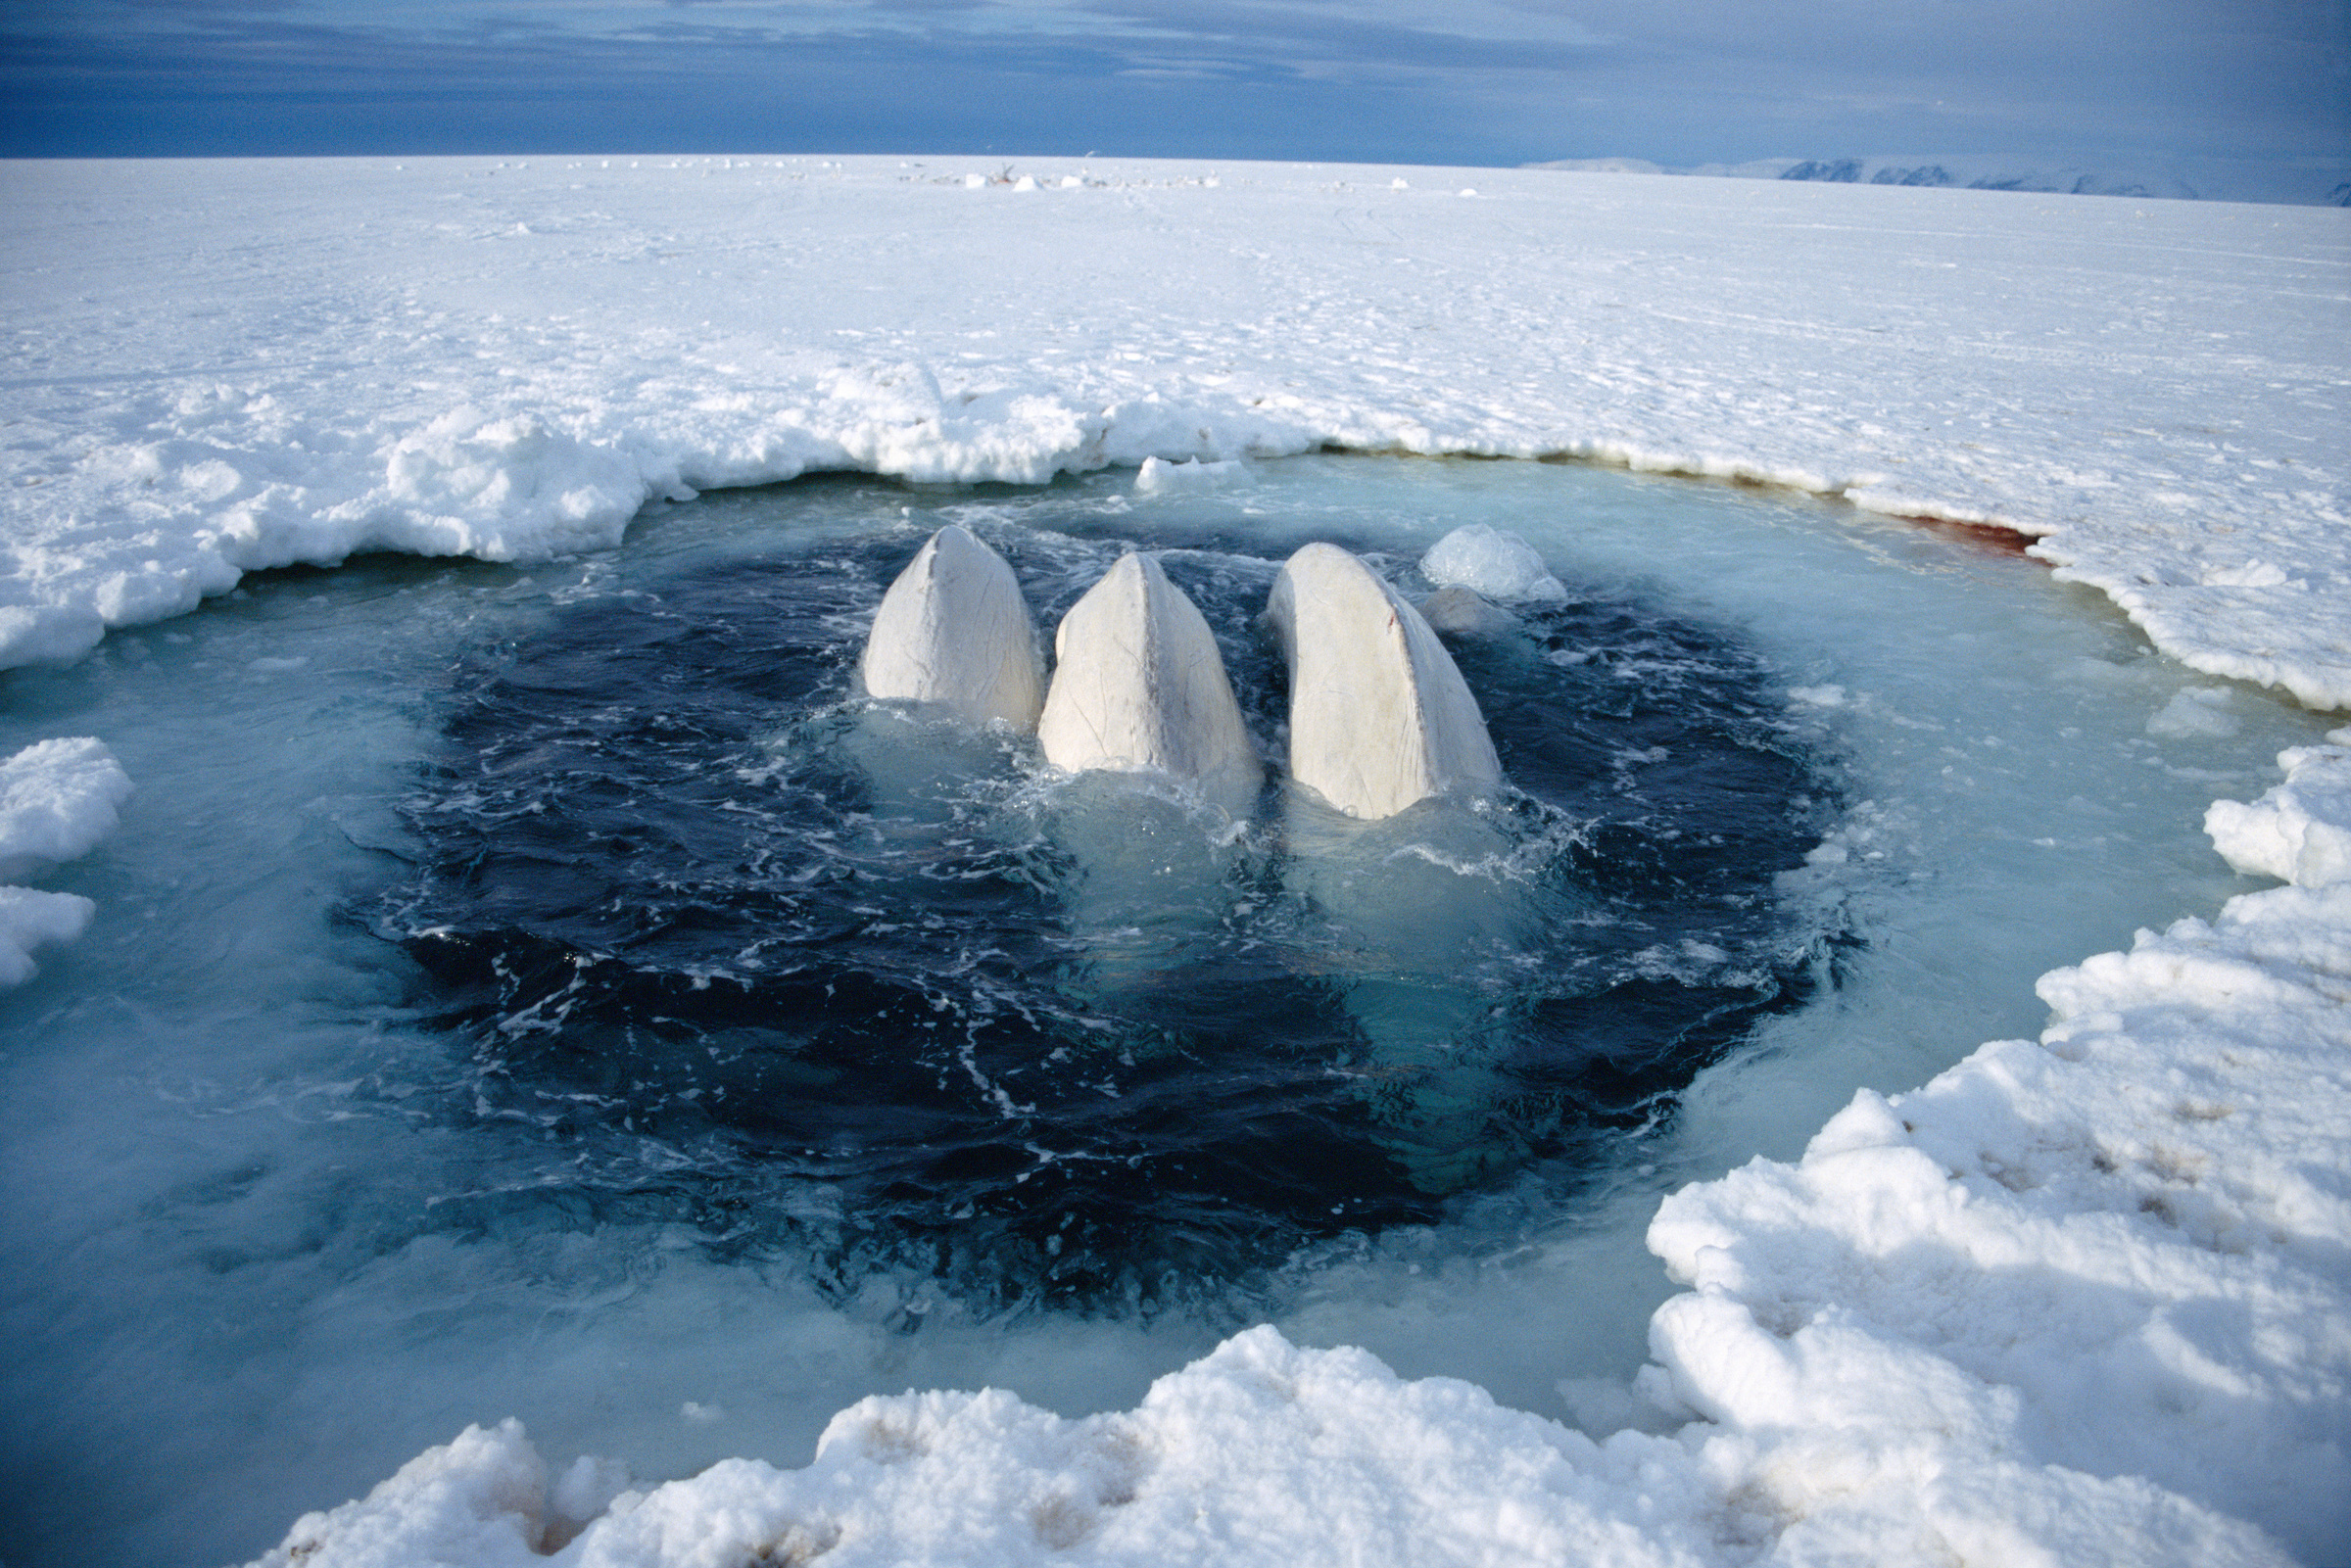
(855, 982)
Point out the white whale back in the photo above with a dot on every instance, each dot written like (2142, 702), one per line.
(1379, 715)
(1138, 687)
(954, 630)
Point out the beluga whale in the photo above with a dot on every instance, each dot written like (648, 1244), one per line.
(1411, 905)
(1138, 687)
(1381, 718)
(954, 631)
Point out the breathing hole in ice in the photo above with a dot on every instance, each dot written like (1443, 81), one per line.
(837, 979)
(281, 1217)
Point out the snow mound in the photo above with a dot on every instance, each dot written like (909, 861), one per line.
(57, 799)
(1263, 1452)
(1493, 563)
(2115, 1253)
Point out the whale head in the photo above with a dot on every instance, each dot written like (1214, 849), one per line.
(954, 631)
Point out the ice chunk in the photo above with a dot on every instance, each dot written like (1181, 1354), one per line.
(1157, 474)
(2200, 712)
(481, 1500)
(2300, 831)
(31, 919)
(1380, 716)
(1138, 687)
(954, 630)
(57, 799)
(1499, 565)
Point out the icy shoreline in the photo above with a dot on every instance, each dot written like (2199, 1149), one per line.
(2087, 1291)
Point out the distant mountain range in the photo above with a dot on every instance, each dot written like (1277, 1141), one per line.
(2208, 181)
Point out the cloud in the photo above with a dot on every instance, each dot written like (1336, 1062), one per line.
(1476, 81)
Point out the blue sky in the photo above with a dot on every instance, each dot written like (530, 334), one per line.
(1476, 82)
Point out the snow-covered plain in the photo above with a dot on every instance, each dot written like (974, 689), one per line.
(2316, 184)
(2074, 1300)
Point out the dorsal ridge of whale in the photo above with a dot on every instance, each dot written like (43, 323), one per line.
(955, 631)
(1138, 686)
(1380, 717)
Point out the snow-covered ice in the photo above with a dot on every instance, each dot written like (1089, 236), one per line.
(2299, 832)
(2187, 180)
(57, 799)
(1157, 474)
(467, 357)
(2077, 1298)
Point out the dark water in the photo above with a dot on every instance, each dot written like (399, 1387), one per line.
(818, 979)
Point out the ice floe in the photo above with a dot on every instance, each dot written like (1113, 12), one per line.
(1157, 474)
(2299, 832)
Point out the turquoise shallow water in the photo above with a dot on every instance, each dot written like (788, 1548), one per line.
(539, 991)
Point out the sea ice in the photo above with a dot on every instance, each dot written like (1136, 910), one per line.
(1267, 1453)
(2300, 831)
(1775, 336)
(1462, 613)
(1157, 474)
(57, 799)
(954, 631)
(1380, 716)
(1493, 563)
(31, 919)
